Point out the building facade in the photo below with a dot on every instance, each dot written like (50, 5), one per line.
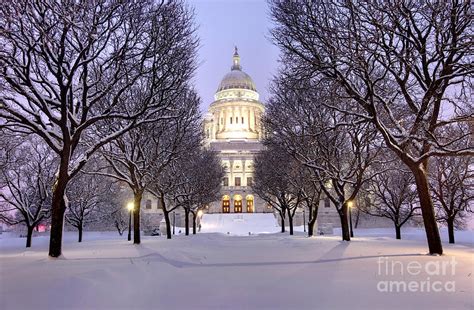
(233, 128)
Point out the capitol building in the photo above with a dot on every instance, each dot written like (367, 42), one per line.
(233, 128)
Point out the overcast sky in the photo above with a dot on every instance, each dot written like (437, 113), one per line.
(223, 24)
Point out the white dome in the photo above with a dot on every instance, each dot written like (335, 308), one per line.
(236, 79)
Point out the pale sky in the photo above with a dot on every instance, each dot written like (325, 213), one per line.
(224, 24)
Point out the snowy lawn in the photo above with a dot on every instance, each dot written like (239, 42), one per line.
(215, 271)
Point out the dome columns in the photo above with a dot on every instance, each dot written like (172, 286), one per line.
(236, 110)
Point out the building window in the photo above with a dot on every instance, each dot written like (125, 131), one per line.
(148, 204)
(222, 121)
(226, 204)
(250, 208)
(226, 181)
(237, 181)
(158, 204)
(231, 119)
(327, 203)
(236, 120)
(249, 181)
(242, 119)
(238, 206)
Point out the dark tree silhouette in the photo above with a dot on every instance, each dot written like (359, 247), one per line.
(70, 69)
(393, 196)
(26, 178)
(452, 185)
(274, 175)
(402, 63)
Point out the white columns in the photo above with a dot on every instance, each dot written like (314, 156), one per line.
(244, 179)
(231, 172)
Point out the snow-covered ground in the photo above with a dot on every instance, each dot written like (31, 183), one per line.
(240, 224)
(217, 271)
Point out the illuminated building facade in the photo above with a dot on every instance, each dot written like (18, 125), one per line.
(233, 128)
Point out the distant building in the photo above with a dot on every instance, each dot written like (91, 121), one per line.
(233, 128)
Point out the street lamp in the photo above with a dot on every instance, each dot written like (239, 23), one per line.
(328, 184)
(350, 204)
(130, 210)
(174, 221)
(200, 214)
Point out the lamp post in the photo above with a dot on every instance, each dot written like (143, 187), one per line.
(350, 205)
(200, 214)
(304, 221)
(130, 210)
(174, 221)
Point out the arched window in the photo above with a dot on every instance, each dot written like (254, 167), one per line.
(238, 204)
(231, 120)
(226, 204)
(250, 207)
(242, 119)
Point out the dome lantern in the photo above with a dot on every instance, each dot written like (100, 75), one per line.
(236, 82)
(236, 61)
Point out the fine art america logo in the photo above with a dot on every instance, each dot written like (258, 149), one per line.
(431, 276)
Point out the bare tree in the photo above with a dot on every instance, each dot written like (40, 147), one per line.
(190, 182)
(274, 174)
(337, 148)
(86, 195)
(113, 211)
(403, 63)
(392, 195)
(72, 68)
(311, 191)
(163, 187)
(25, 185)
(144, 152)
(199, 181)
(120, 220)
(452, 185)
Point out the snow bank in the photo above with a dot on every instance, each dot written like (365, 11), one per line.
(239, 224)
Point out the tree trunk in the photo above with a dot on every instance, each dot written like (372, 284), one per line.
(194, 223)
(137, 200)
(312, 220)
(427, 210)
(290, 221)
(29, 235)
(311, 228)
(58, 205)
(343, 215)
(450, 222)
(168, 224)
(117, 225)
(58, 208)
(398, 233)
(282, 222)
(186, 221)
(357, 218)
(79, 228)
